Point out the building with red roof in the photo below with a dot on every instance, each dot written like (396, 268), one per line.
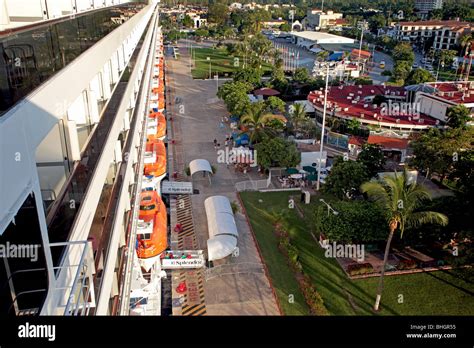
(356, 102)
(437, 97)
(394, 148)
(355, 144)
(357, 54)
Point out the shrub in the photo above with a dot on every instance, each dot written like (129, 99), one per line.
(187, 170)
(359, 268)
(407, 264)
(312, 297)
(292, 253)
(235, 207)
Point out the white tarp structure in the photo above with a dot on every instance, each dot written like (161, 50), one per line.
(312, 159)
(223, 232)
(199, 165)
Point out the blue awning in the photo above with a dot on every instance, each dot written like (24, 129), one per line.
(335, 56)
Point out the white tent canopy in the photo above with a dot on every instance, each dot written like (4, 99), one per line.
(223, 232)
(199, 165)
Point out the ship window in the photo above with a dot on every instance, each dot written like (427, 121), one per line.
(147, 207)
(145, 236)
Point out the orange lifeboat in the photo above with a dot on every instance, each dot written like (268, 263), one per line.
(155, 157)
(152, 236)
(161, 103)
(158, 90)
(149, 205)
(160, 127)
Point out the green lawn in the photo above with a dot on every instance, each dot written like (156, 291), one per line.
(423, 294)
(221, 62)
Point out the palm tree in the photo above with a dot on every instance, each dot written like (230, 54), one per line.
(255, 120)
(321, 56)
(402, 203)
(465, 43)
(298, 115)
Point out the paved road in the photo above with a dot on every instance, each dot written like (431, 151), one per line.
(240, 286)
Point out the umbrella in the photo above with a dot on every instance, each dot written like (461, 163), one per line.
(309, 169)
(292, 171)
(312, 177)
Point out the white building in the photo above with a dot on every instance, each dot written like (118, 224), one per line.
(322, 20)
(235, 6)
(426, 6)
(70, 145)
(446, 34)
(307, 38)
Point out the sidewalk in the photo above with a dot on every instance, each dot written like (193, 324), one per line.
(239, 288)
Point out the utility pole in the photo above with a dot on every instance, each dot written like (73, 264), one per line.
(322, 128)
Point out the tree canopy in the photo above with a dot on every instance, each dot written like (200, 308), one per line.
(277, 152)
(345, 178)
(418, 76)
(355, 222)
(234, 95)
(218, 13)
(372, 158)
(457, 116)
(436, 151)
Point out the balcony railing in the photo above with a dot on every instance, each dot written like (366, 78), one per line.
(65, 209)
(29, 58)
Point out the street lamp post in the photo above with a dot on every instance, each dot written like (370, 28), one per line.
(209, 59)
(190, 54)
(361, 40)
(322, 128)
(329, 207)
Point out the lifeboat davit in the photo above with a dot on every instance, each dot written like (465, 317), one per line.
(155, 157)
(152, 234)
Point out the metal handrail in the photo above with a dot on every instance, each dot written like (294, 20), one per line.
(24, 293)
(76, 277)
(21, 271)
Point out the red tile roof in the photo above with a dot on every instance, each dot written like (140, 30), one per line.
(461, 92)
(266, 91)
(340, 21)
(388, 143)
(355, 140)
(349, 102)
(434, 23)
(363, 54)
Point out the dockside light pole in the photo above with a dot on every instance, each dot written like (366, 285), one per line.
(209, 59)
